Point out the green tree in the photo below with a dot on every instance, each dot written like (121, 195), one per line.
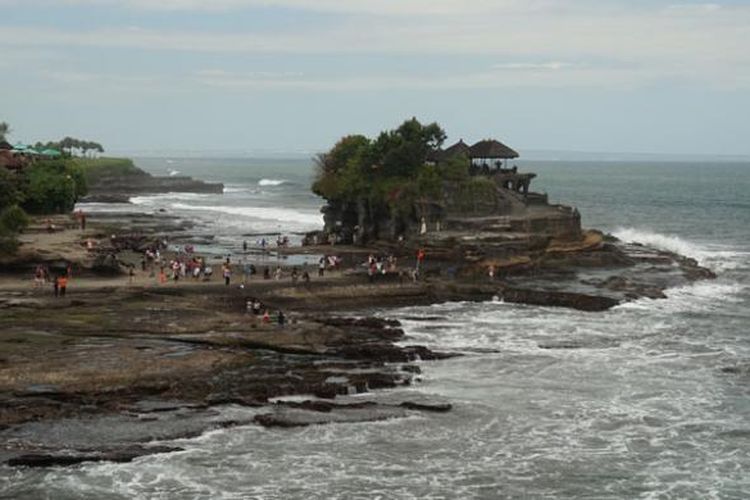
(52, 186)
(13, 219)
(4, 130)
(401, 152)
(10, 189)
(456, 169)
(342, 173)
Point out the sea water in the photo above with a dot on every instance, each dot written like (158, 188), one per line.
(635, 402)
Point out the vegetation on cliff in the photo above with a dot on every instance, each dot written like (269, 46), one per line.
(43, 187)
(388, 170)
(95, 169)
(380, 187)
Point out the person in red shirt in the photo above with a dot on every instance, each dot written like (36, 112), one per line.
(62, 284)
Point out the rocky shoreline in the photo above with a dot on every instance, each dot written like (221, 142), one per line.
(165, 362)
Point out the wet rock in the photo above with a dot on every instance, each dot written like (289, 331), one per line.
(154, 406)
(368, 322)
(294, 417)
(39, 390)
(580, 301)
(431, 407)
(120, 455)
(105, 198)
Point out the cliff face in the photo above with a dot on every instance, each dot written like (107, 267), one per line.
(481, 206)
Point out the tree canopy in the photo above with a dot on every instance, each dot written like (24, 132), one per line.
(4, 130)
(381, 170)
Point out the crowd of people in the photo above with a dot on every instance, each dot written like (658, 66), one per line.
(165, 264)
(257, 309)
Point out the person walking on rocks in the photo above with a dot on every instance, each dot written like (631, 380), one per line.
(322, 266)
(420, 258)
(227, 273)
(62, 284)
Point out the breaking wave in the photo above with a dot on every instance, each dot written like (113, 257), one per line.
(719, 258)
(285, 215)
(271, 182)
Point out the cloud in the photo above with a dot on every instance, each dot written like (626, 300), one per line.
(380, 7)
(529, 38)
(531, 66)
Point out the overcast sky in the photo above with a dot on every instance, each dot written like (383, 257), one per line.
(258, 76)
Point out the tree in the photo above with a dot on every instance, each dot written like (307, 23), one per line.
(456, 168)
(403, 151)
(53, 186)
(4, 130)
(343, 171)
(10, 189)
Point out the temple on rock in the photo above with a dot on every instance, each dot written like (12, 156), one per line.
(381, 190)
(489, 158)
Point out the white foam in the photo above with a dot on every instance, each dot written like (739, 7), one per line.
(156, 199)
(717, 257)
(271, 182)
(659, 241)
(700, 296)
(285, 215)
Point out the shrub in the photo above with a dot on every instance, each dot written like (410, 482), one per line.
(51, 187)
(13, 219)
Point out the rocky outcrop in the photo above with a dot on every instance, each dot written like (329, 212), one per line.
(117, 187)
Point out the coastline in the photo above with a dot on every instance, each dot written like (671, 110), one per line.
(113, 348)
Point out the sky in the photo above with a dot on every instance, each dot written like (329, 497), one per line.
(293, 76)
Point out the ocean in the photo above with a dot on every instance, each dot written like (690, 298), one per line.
(653, 401)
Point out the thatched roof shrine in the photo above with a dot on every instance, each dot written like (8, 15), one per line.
(491, 149)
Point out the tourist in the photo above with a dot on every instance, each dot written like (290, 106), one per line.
(322, 266)
(295, 275)
(420, 258)
(278, 274)
(371, 270)
(226, 273)
(56, 286)
(491, 272)
(423, 226)
(39, 277)
(306, 278)
(280, 318)
(266, 273)
(266, 317)
(162, 276)
(244, 246)
(257, 307)
(62, 284)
